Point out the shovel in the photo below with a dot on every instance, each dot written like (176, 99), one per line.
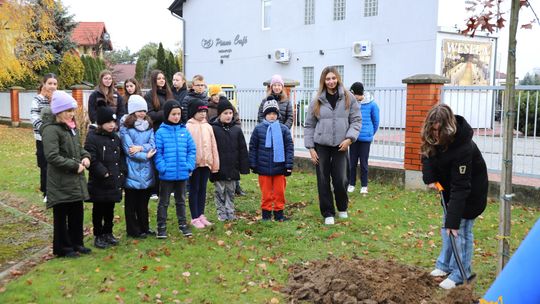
(452, 237)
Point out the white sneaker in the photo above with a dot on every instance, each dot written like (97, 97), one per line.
(154, 197)
(329, 220)
(45, 199)
(438, 273)
(350, 188)
(363, 190)
(343, 214)
(447, 284)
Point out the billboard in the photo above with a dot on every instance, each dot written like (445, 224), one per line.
(467, 63)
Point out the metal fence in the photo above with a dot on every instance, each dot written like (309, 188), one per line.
(389, 140)
(482, 107)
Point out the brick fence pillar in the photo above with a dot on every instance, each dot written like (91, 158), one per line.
(14, 102)
(423, 92)
(77, 93)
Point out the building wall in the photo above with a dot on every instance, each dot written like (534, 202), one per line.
(403, 36)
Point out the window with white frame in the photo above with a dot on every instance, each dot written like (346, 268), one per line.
(371, 8)
(308, 77)
(341, 71)
(369, 74)
(309, 12)
(266, 6)
(339, 10)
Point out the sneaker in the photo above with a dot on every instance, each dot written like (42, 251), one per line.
(350, 188)
(161, 234)
(154, 197)
(205, 221)
(447, 284)
(69, 254)
(363, 190)
(197, 223)
(266, 215)
(45, 199)
(185, 230)
(109, 238)
(101, 242)
(438, 273)
(329, 220)
(343, 214)
(82, 249)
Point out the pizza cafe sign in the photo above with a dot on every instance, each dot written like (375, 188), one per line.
(223, 45)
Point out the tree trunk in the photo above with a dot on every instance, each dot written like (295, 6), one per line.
(508, 125)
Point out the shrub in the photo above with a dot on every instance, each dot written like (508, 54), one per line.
(71, 70)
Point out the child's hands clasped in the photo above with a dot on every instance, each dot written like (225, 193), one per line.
(150, 153)
(136, 149)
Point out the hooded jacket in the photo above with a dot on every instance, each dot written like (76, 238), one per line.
(332, 126)
(232, 149)
(175, 152)
(140, 172)
(63, 152)
(261, 158)
(462, 172)
(370, 118)
(107, 160)
(205, 141)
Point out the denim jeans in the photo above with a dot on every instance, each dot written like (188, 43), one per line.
(446, 261)
(359, 150)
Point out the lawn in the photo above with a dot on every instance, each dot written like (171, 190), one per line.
(245, 261)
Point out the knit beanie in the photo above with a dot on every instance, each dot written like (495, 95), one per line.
(213, 90)
(276, 79)
(104, 115)
(357, 88)
(196, 106)
(62, 101)
(224, 104)
(168, 107)
(270, 105)
(136, 103)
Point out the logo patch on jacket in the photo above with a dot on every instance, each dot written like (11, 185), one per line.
(462, 169)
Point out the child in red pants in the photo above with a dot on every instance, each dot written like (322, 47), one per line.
(271, 153)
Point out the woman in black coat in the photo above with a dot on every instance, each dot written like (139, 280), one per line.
(105, 96)
(157, 97)
(107, 175)
(450, 157)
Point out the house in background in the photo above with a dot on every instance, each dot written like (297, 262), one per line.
(92, 39)
(121, 72)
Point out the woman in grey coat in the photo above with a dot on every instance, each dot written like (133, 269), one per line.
(332, 124)
(277, 91)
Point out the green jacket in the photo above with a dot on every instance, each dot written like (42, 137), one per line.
(63, 152)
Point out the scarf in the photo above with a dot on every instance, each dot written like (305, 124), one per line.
(71, 124)
(274, 139)
(141, 125)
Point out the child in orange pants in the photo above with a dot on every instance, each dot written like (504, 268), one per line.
(271, 153)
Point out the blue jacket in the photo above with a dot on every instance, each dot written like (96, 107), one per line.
(140, 170)
(370, 119)
(261, 159)
(175, 152)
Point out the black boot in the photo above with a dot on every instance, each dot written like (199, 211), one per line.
(278, 216)
(238, 190)
(101, 242)
(109, 238)
(266, 215)
(82, 250)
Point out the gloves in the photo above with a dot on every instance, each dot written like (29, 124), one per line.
(288, 172)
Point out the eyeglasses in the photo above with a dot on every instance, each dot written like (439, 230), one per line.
(198, 85)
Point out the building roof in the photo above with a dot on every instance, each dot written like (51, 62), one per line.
(121, 72)
(90, 34)
(177, 7)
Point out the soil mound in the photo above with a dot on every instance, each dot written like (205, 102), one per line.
(363, 281)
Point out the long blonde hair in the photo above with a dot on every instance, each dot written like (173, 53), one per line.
(442, 115)
(323, 89)
(108, 92)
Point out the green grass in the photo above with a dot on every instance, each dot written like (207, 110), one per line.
(246, 261)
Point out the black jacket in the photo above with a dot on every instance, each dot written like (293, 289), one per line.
(106, 157)
(97, 99)
(190, 97)
(462, 172)
(233, 153)
(179, 94)
(155, 114)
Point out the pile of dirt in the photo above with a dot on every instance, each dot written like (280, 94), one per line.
(365, 281)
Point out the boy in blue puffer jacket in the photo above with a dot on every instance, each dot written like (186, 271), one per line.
(175, 160)
(360, 148)
(271, 153)
(139, 146)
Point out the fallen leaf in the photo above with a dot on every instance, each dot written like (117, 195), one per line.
(97, 270)
(119, 299)
(186, 274)
(144, 268)
(274, 301)
(221, 243)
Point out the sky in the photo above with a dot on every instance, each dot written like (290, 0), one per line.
(134, 23)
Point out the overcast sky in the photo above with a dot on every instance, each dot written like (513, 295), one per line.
(133, 23)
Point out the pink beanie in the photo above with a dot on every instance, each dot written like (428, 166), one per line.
(276, 79)
(62, 101)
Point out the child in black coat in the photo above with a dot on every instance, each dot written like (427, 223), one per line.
(233, 159)
(107, 175)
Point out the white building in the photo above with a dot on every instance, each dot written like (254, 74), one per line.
(244, 42)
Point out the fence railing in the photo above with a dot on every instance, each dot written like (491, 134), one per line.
(482, 106)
